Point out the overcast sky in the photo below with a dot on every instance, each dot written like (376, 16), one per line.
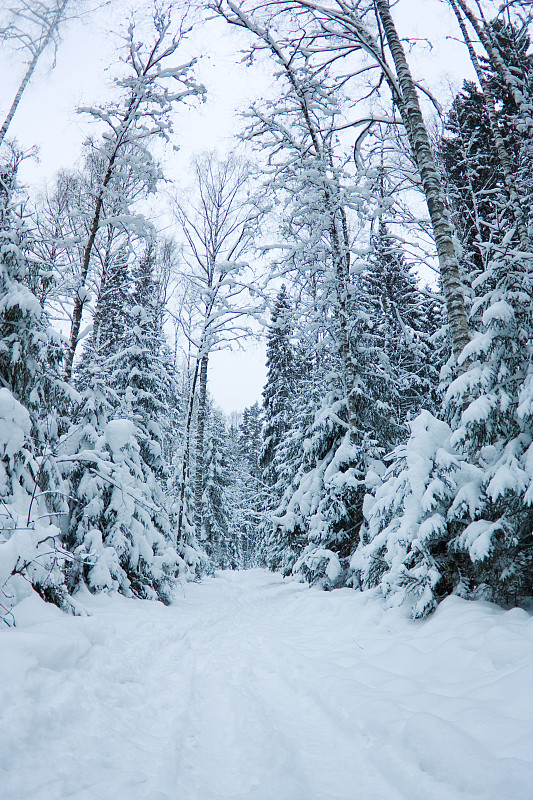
(47, 118)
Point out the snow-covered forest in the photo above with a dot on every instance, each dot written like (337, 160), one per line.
(376, 234)
(392, 447)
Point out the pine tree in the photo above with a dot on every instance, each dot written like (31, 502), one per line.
(404, 323)
(473, 178)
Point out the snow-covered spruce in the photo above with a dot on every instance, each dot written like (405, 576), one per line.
(404, 541)
(33, 401)
(114, 454)
(30, 550)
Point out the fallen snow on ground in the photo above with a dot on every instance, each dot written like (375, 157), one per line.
(254, 688)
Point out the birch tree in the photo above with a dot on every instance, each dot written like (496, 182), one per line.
(32, 27)
(345, 414)
(471, 534)
(333, 34)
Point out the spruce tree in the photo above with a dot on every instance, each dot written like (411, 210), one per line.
(121, 520)
(279, 390)
(405, 320)
(317, 523)
(31, 409)
(473, 178)
(472, 532)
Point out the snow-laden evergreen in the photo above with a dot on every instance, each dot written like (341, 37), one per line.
(120, 520)
(31, 553)
(471, 533)
(215, 534)
(393, 359)
(33, 399)
(279, 391)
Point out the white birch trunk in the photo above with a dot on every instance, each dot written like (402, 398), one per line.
(411, 113)
(200, 431)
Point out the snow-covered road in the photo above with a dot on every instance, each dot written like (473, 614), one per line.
(253, 688)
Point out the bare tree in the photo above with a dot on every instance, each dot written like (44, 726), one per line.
(33, 27)
(300, 133)
(220, 226)
(62, 219)
(142, 112)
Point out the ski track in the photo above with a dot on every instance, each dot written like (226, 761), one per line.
(253, 688)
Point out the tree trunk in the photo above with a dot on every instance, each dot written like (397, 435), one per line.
(200, 431)
(80, 298)
(186, 451)
(18, 96)
(341, 259)
(499, 65)
(120, 137)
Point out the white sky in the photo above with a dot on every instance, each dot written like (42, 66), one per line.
(47, 118)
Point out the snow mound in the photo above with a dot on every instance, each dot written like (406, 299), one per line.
(15, 424)
(117, 436)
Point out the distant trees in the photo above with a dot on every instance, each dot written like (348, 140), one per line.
(220, 224)
(248, 495)
(280, 389)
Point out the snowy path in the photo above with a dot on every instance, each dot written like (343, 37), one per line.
(251, 688)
